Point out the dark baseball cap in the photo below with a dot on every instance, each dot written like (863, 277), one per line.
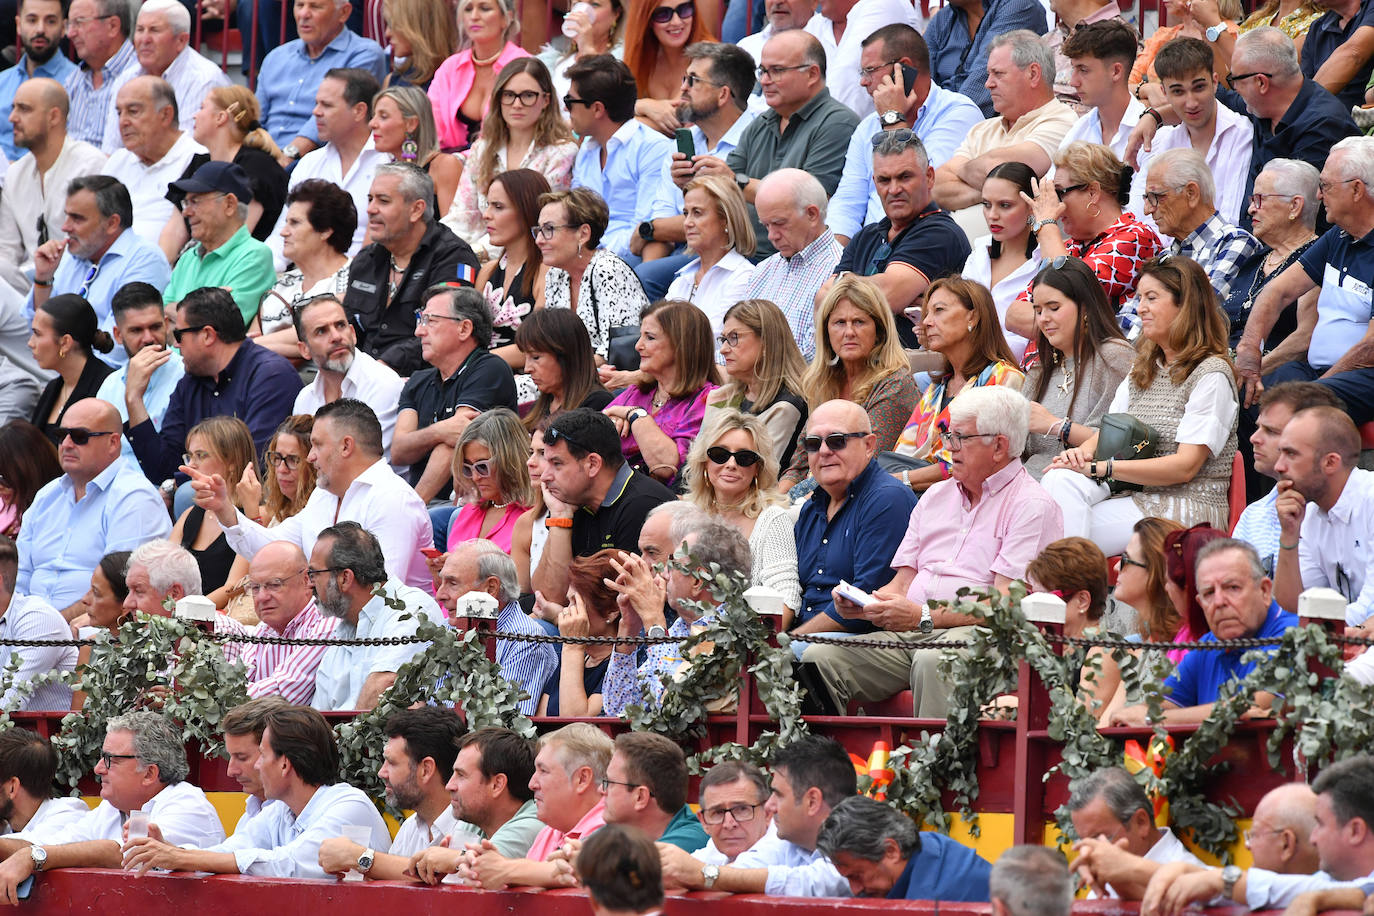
(224, 177)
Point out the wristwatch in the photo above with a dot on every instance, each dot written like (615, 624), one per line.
(646, 230)
(709, 874)
(636, 415)
(889, 118)
(1229, 876)
(656, 632)
(365, 860)
(290, 151)
(742, 180)
(40, 857)
(1041, 224)
(1215, 31)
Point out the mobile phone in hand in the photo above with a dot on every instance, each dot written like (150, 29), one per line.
(685, 144)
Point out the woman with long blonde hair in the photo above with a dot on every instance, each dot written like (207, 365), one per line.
(421, 34)
(462, 87)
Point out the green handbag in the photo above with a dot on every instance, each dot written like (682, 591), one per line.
(1123, 437)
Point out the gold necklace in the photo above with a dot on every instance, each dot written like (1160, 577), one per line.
(476, 62)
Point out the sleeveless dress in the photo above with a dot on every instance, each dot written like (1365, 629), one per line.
(214, 561)
(508, 309)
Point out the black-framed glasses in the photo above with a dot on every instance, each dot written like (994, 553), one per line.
(42, 229)
(955, 441)
(745, 458)
(313, 574)
(569, 101)
(742, 814)
(1154, 197)
(1128, 560)
(90, 278)
(554, 434)
(108, 759)
(80, 435)
(607, 782)
(274, 459)
(900, 135)
(526, 98)
(545, 231)
(691, 80)
(177, 333)
(481, 468)
(271, 585)
(867, 72)
(774, 72)
(1233, 78)
(664, 14)
(834, 441)
(732, 339)
(1061, 193)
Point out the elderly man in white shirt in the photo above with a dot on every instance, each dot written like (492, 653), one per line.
(298, 763)
(33, 207)
(161, 40)
(156, 151)
(733, 813)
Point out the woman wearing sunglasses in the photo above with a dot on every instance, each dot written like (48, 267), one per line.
(64, 339)
(657, 32)
(730, 474)
(1081, 213)
(490, 476)
(1183, 386)
(764, 370)
(1083, 356)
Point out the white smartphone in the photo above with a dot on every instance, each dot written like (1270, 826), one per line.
(854, 593)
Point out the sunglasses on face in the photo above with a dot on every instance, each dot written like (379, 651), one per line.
(80, 435)
(835, 441)
(745, 458)
(178, 332)
(664, 14)
(481, 468)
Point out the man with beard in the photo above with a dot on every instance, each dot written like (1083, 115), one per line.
(31, 211)
(42, 23)
(153, 368)
(28, 765)
(330, 342)
(416, 762)
(715, 101)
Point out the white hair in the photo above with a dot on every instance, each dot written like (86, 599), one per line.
(178, 19)
(1269, 50)
(1358, 160)
(1028, 48)
(994, 409)
(1301, 179)
(168, 564)
(493, 561)
(1183, 165)
(685, 517)
(805, 189)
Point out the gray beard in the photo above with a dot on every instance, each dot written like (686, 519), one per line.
(340, 366)
(331, 601)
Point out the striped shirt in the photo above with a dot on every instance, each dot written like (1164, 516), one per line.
(528, 665)
(90, 107)
(288, 671)
(793, 282)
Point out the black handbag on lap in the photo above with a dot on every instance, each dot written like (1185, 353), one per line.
(1123, 437)
(620, 342)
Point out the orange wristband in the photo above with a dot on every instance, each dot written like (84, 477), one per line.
(558, 522)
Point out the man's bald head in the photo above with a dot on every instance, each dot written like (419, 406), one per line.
(278, 584)
(46, 93)
(840, 413)
(1280, 836)
(276, 559)
(95, 415)
(83, 463)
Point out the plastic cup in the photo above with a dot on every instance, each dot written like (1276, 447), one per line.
(570, 29)
(363, 837)
(138, 823)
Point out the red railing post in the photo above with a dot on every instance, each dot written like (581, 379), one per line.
(1033, 714)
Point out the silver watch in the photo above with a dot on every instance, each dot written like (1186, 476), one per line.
(1041, 224)
(40, 857)
(290, 151)
(365, 861)
(889, 118)
(1229, 876)
(709, 874)
(656, 632)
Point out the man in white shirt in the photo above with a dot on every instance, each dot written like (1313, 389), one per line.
(327, 338)
(353, 483)
(351, 583)
(162, 36)
(846, 24)
(810, 777)
(286, 609)
(1327, 543)
(142, 767)
(1101, 55)
(243, 726)
(28, 764)
(733, 802)
(156, 151)
(343, 116)
(33, 207)
(23, 617)
(417, 760)
(1225, 139)
(298, 762)
(781, 16)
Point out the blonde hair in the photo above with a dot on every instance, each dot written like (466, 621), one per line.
(780, 364)
(731, 208)
(507, 8)
(276, 504)
(824, 380)
(231, 442)
(762, 490)
(501, 431)
(413, 103)
(242, 107)
(1093, 163)
(432, 31)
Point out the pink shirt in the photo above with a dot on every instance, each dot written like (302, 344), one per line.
(450, 87)
(550, 839)
(288, 671)
(466, 524)
(952, 544)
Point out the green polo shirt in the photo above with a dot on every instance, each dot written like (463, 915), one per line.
(684, 831)
(242, 264)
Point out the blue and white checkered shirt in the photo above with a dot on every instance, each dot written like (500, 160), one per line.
(792, 283)
(528, 665)
(1220, 248)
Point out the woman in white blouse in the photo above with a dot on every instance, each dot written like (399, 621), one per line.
(731, 473)
(716, 224)
(595, 283)
(1006, 260)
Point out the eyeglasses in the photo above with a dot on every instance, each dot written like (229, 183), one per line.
(955, 441)
(526, 98)
(189, 203)
(424, 319)
(1257, 200)
(481, 468)
(313, 574)
(1250, 834)
(664, 14)
(745, 458)
(272, 585)
(545, 231)
(877, 263)
(569, 101)
(277, 458)
(194, 458)
(1128, 560)
(867, 72)
(178, 332)
(742, 814)
(1061, 193)
(1233, 78)
(553, 434)
(691, 80)
(108, 759)
(900, 135)
(607, 782)
(1059, 262)
(85, 21)
(42, 229)
(1326, 186)
(79, 435)
(732, 339)
(1154, 197)
(835, 441)
(774, 72)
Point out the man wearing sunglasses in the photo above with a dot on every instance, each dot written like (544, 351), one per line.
(101, 503)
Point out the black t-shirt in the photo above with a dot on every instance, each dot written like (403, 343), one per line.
(483, 381)
(598, 399)
(616, 524)
(933, 244)
(265, 177)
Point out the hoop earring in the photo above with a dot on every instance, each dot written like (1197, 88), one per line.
(1095, 215)
(410, 150)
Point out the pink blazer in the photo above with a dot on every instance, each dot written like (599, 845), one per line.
(450, 87)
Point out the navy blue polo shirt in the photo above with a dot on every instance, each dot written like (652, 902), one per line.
(1324, 37)
(943, 869)
(1343, 266)
(1203, 672)
(856, 545)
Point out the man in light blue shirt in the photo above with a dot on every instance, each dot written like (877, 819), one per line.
(621, 159)
(154, 367)
(41, 26)
(101, 253)
(715, 100)
(291, 73)
(941, 119)
(100, 504)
